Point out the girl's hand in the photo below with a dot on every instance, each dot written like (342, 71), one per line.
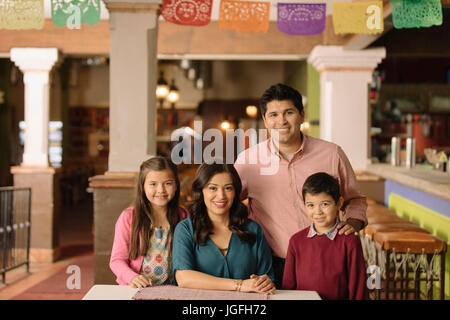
(263, 284)
(140, 281)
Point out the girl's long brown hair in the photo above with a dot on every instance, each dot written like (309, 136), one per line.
(238, 212)
(142, 226)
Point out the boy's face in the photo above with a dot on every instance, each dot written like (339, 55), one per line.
(322, 210)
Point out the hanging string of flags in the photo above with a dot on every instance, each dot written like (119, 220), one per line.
(73, 13)
(23, 14)
(364, 17)
(188, 13)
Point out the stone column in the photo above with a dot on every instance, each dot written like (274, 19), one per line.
(344, 109)
(36, 63)
(34, 172)
(133, 72)
(132, 111)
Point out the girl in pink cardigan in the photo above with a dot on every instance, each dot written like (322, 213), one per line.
(141, 252)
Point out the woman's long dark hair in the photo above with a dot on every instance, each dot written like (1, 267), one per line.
(238, 212)
(142, 217)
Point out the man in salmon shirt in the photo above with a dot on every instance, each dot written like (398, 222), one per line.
(275, 196)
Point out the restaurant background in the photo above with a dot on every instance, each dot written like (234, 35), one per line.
(409, 96)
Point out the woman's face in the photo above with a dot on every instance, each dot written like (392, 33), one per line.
(160, 187)
(218, 194)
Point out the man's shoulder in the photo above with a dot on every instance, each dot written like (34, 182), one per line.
(253, 154)
(317, 142)
(255, 148)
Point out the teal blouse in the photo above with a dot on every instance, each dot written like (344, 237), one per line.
(241, 260)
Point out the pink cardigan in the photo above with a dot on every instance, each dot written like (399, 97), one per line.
(124, 268)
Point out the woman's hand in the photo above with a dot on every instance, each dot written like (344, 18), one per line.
(140, 281)
(259, 284)
(263, 284)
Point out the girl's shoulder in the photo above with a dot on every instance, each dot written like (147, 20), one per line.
(127, 214)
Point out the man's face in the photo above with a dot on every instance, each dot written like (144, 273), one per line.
(282, 116)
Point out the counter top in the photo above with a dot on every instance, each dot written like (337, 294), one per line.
(116, 292)
(433, 182)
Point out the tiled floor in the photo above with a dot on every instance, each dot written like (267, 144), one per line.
(49, 281)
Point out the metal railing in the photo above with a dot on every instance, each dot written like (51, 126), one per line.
(15, 204)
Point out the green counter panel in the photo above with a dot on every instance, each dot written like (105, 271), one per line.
(436, 223)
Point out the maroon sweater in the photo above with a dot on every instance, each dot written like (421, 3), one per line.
(334, 268)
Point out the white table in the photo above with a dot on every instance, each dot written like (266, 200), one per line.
(116, 292)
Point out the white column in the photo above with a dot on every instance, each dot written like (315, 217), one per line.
(344, 109)
(133, 72)
(35, 63)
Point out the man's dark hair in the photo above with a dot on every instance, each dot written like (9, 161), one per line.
(322, 182)
(280, 92)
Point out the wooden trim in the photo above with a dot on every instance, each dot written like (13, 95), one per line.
(346, 69)
(44, 255)
(113, 180)
(133, 7)
(26, 169)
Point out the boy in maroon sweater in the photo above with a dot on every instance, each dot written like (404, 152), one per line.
(318, 258)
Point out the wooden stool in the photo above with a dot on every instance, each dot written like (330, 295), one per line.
(372, 255)
(372, 211)
(378, 208)
(386, 218)
(408, 252)
(371, 229)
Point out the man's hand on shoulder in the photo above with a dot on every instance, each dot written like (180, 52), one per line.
(350, 226)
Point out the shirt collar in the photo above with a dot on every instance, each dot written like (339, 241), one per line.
(274, 149)
(331, 233)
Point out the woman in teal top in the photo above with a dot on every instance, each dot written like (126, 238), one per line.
(219, 247)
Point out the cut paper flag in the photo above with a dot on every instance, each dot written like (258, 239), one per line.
(21, 14)
(244, 16)
(187, 12)
(73, 13)
(416, 13)
(358, 17)
(301, 19)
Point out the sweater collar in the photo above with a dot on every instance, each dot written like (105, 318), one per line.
(331, 233)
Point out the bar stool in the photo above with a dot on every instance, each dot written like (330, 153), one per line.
(406, 252)
(377, 213)
(386, 218)
(371, 253)
(371, 229)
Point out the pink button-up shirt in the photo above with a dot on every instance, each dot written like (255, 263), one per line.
(273, 186)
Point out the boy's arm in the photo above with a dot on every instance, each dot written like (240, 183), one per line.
(289, 278)
(357, 286)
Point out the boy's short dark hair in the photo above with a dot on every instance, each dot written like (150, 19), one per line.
(322, 182)
(280, 92)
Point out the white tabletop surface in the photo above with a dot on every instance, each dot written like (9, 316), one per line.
(116, 292)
